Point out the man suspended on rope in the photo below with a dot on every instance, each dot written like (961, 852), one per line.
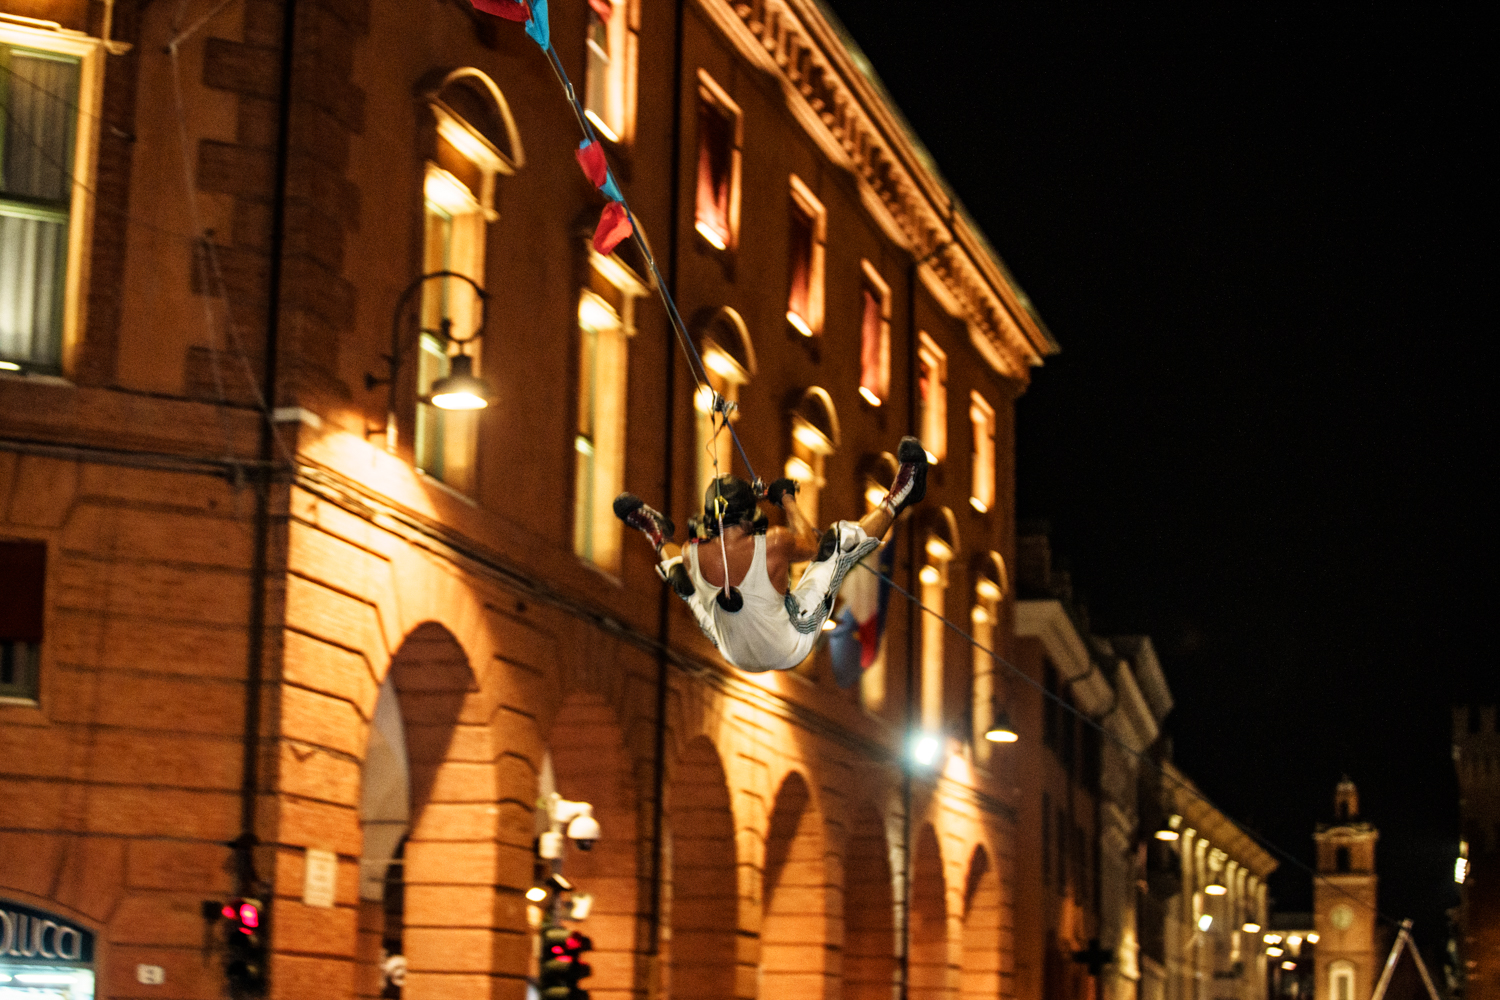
(749, 615)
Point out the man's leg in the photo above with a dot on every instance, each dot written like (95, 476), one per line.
(909, 486)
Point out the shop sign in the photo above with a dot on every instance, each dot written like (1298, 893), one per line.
(41, 938)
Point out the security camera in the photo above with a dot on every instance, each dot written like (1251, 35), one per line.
(577, 818)
(584, 831)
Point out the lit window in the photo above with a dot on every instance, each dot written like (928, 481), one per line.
(989, 591)
(453, 241)
(46, 78)
(606, 320)
(475, 141)
(808, 231)
(874, 336)
(719, 135)
(23, 574)
(610, 85)
(932, 398)
(982, 417)
(1340, 981)
(934, 584)
(729, 359)
(815, 435)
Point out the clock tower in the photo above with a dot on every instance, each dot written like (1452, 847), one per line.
(1344, 901)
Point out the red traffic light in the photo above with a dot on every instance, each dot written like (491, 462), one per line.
(249, 915)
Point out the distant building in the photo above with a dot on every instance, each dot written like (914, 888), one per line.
(1344, 907)
(1476, 756)
(1291, 974)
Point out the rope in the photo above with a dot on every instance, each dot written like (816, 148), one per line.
(1271, 847)
(695, 360)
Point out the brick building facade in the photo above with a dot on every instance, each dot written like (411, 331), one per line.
(204, 534)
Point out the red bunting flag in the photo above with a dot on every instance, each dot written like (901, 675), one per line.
(604, 8)
(511, 10)
(591, 159)
(614, 226)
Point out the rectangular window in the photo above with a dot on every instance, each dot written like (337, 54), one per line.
(932, 397)
(606, 318)
(805, 252)
(609, 78)
(453, 240)
(23, 577)
(39, 95)
(718, 194)
(874, 336)
(982, 418)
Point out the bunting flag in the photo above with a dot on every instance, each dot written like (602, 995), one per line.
(537, 27)
(591, 158)
(511, 10)
(614, 226)
(855, 641)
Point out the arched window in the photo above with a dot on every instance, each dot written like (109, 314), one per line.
(989, 692)
(606, 322)
(1341, 981)
(815, 436)
(474, 139)
(941, 546)
(729, 359)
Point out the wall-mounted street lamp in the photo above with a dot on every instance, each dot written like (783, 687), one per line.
(459, 389)
(1001, 731)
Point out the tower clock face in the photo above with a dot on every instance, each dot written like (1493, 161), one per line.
(1341, 916)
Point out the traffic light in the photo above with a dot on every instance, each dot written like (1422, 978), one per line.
(563, 967)
(245, 938)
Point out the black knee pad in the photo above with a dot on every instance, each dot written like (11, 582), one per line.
(828, 546)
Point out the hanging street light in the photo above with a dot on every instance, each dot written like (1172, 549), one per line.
(460, 389)
(1001, 731)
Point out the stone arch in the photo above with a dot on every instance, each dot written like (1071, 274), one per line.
(473, 113)
(869, 909)
(725, 329)
(590, 764)
(449, 877)
(815, 407)
(704, 916)
(927, 966)
(794, 931)
(980, 969)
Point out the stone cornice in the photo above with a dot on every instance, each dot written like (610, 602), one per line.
(851, 120)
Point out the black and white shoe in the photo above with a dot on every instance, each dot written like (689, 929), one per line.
(910, 485)
(642, 517)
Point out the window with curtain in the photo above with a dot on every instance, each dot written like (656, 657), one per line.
(23, 577)
(609, 77)
(934, 586)
(874, 337)
(39, 93)
(805, 251)
(932, 397)
(982, 417)
(718, 196)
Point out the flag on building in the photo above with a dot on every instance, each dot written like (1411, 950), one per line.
(855, 641)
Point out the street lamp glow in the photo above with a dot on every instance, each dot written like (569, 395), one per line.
(1272, 939)
(1461, 870)
(1275, 952)
(1205, 922)
(1289, 965)
(1167, 833)
(1312, 939)
(459, 389)
(1251, 927)
(925, 750)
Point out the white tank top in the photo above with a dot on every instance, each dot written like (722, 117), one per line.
(759, 636)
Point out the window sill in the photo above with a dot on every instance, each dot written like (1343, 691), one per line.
(35, 377)
(443, 487)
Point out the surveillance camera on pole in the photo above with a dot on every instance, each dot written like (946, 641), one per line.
(575, 820)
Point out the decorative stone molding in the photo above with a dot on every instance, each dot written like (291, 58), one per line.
(848, 115)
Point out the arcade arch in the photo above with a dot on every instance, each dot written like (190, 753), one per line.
(794, 930)
(705, 889)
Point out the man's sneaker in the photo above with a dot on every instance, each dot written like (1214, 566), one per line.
(910, 485)
(652, 523)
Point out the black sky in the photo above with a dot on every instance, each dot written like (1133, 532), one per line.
(1263, 241)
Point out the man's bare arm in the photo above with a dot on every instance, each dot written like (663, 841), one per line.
(804, 536)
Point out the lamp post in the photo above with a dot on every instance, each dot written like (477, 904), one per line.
(459, 389)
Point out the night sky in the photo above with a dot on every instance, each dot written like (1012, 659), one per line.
(1259, 240)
